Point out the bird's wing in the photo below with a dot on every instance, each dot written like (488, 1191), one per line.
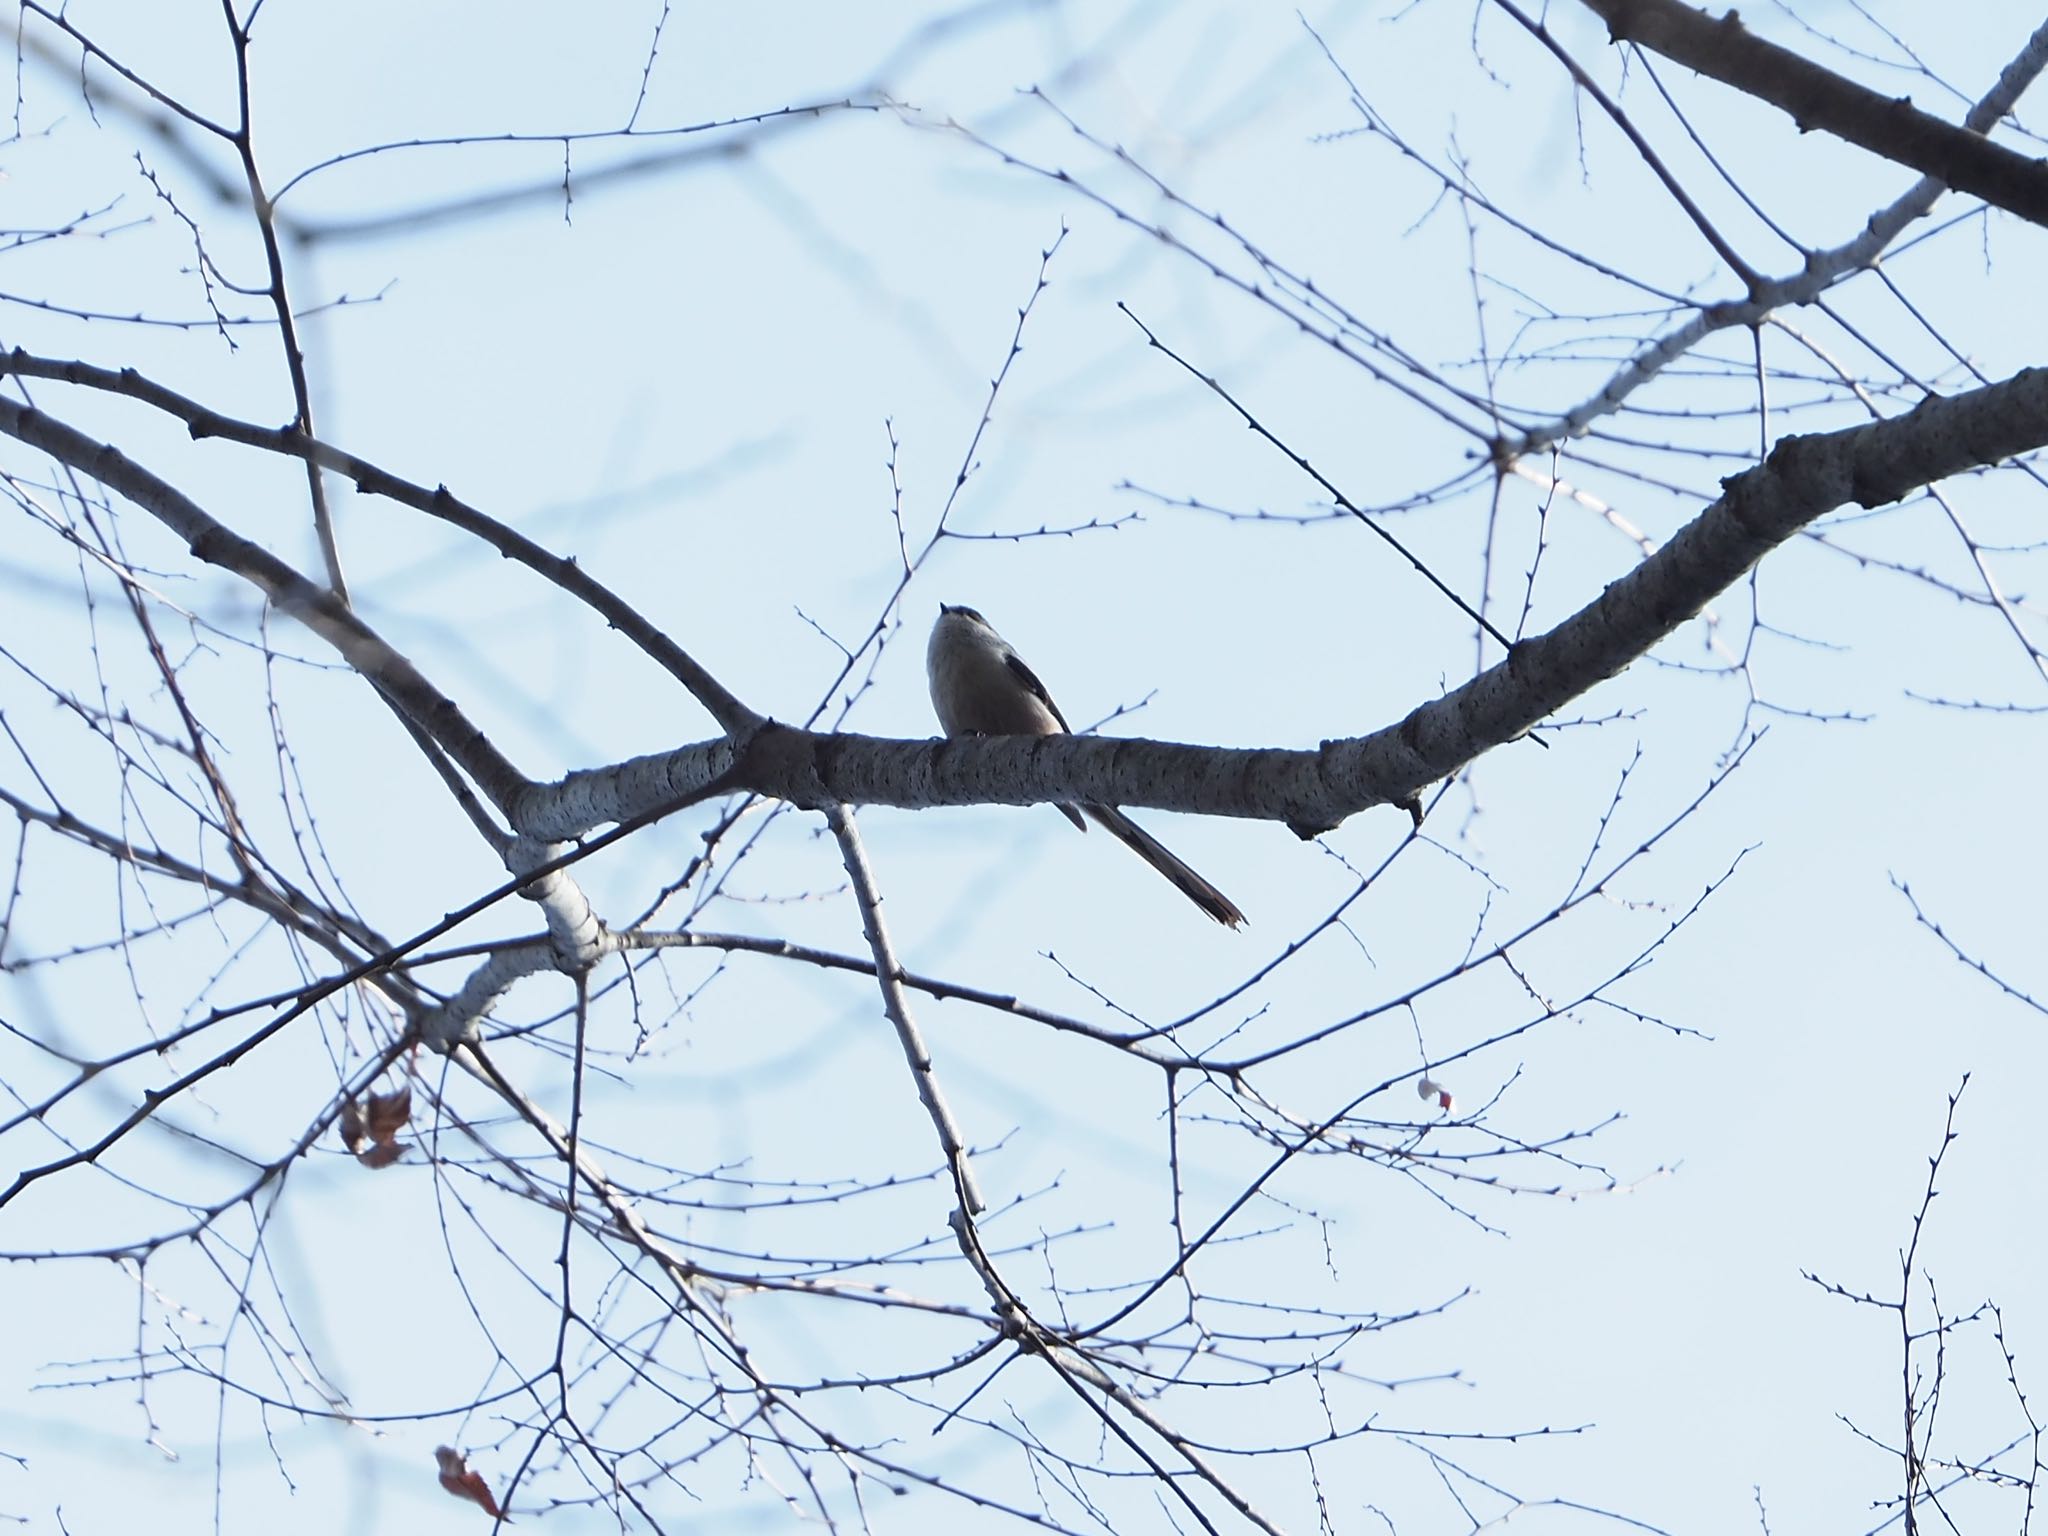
(1030, 680)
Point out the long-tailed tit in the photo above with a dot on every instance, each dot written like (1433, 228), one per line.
(980, 687)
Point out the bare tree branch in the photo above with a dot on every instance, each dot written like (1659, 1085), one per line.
(1817, 98)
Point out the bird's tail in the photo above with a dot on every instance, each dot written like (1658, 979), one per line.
(1155, 853)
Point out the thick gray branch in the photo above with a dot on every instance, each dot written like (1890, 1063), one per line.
(1822, 270)
(1804, 479)
(1819, 98)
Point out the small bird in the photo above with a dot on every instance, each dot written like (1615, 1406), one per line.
(465, 1484)
(981, 687)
